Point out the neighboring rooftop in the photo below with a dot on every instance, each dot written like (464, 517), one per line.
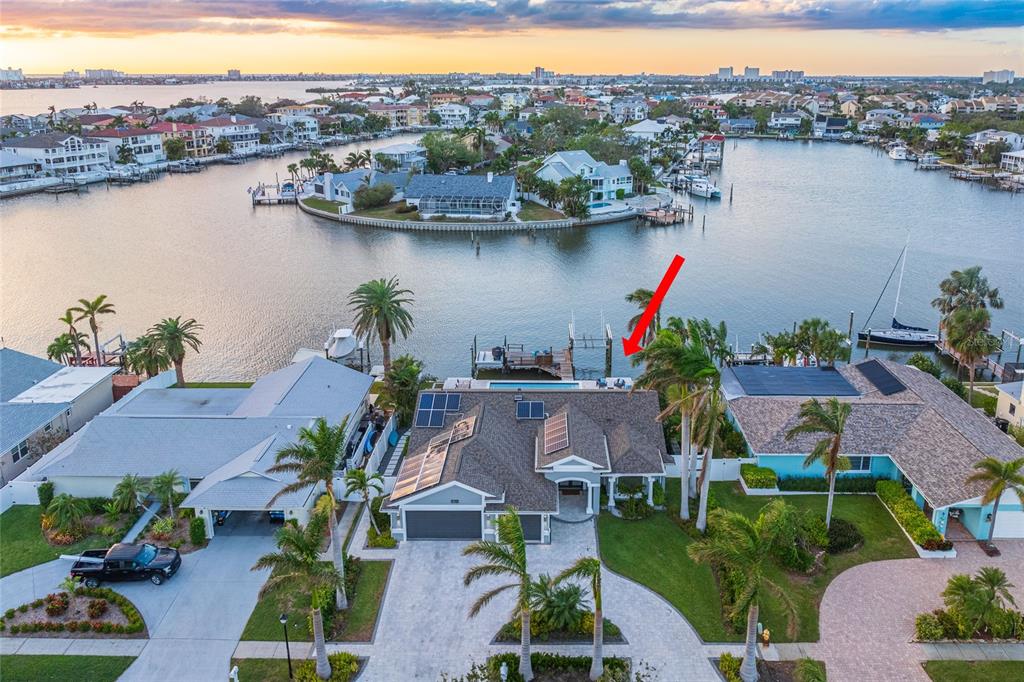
(791, 381)
(65, 385)
(474, 186)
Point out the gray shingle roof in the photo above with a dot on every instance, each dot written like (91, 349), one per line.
(20, 371)
(41, 141)
(929, 432)
(18, 421)
(471, 186)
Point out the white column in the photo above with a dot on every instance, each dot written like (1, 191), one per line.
(611, 491)
(590, 499)
(650, 490)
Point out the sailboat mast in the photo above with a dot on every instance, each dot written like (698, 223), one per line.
(899, 285)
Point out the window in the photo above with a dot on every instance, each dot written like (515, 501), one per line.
(19, 450)
(860, 463)
(1013, 408)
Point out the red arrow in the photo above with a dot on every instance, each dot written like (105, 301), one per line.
(632, 344)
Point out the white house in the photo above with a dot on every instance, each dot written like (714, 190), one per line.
(513, 100)
(341, 187)
(404, 156)
(1012, 162)
(62, 153)
(1010, 403)
(625, 110)
(302, 126)
(983, 138)
(240, 130)
(607, 182)
(648, 130)
(786, 120)
(16, 167)
(146, 145)
(453, 115)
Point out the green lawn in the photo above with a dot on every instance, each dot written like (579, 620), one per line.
(22, 544)
(322, 204)
(974, 671)
(531, 210)
(985, 401)
(262, 669)
(18, 668)
(653, 552)
(359, 620)
(388, 212)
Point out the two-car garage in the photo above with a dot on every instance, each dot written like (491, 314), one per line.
(443, 525)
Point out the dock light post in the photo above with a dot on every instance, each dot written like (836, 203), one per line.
(287, 647)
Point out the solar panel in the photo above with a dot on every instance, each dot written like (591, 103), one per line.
(426, 401)
(530, 409)
(792, 381)
(880, 377)
(556, 433)
(432, 408)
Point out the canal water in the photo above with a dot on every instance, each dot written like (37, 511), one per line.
(813, 230)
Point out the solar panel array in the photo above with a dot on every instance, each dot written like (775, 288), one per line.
(556, 433)
(463, 429)
(424, 469)
(530, 409)
(880, 377)
(433, 406)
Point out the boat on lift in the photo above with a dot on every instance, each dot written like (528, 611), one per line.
(346, 348)
(898, 153)
(897, 334)
(703, 187)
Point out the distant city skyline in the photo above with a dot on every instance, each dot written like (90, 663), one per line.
(820, 37)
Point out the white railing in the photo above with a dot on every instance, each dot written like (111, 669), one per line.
(372, 463)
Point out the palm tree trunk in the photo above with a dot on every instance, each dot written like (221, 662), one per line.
(691, 467)
(831, 494)
(323, 664)
(684, 467)
(992, 528)
(525, 664)
(179, 372)
(338, 558)
(597, 663)
(705, 486)
(385, 348)
(970, 391)
(369, 508)
(748, 671)
(99, 353)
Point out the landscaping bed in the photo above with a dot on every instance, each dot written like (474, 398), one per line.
(345, 667)
(802, 670)
(85, 613)
(185, 532)
(974, 671)
(552, 668)
(584, 634)
(52, 668)
(23, 545)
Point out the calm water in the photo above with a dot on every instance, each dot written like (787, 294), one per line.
(37, 101)
(814, 230)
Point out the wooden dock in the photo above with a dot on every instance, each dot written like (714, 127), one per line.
(557, 363)
(667, 216)
(63, 188)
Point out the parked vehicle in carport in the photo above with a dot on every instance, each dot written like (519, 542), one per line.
(126, 561)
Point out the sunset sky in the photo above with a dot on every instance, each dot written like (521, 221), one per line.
(582, 36)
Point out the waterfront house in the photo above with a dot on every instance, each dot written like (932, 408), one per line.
(926, 121)
(452, 115)
(198, 140)
(145, 144)
(402, 156)
(240, 130)
(829, 127)
(648, 130)
(61, 153)
(473, 451)
(904, 425)
(199, 112)
(42, 403)
(301, 127)
(1010, 403)
(880, 116)
(16, 167)
(490, 197)
(607, 182)
(1012, 162)
(310, 109)
(436, 99)
(341, 187)
(738, 125)
(787, 121)
(401, 115)
(222, 441)
(850, 108)
(983, 138)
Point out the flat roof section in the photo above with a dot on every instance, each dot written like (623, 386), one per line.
(792, 381)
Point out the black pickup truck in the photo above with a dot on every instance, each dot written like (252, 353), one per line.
(126, 562)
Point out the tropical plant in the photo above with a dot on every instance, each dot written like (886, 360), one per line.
(175, 149)
(402, 383)
(506, 557)
(829, 419)
(981, 599)
(707, 436)
(574, 196)
(816, 337)
(162, 486)
(589, 569)
(966, 288)
(146, 355)
(67, 512)
(74, 335)
(998, 477)
(642, 298)
(125, 154)
(129, 491)
(967, 333)
(925, 364)
(312, 458)
(745, 548)
(224, 146)
(61, 349)
(381, 312)
(297, 562)
(558, 608)
(175, 336)
(91, 310)
(358, 481)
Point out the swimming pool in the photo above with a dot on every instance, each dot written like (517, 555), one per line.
(600, 204)
(533, 385)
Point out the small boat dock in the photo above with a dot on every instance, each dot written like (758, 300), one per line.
(184, 167)
(63, 188)
(274, 195)
(667, 216)
(514, 357)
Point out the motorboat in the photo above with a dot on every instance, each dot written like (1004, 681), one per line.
(929, 161)
(898, 153)
(897, 334)
(345, 347)
(703, 187)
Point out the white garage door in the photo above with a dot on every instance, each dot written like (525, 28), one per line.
(1009, 524)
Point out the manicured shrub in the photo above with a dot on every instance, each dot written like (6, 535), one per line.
(97, 607)
(925, 364)
(45, 492)
(729, 666)
(758, 477)
(955, 385)
(635, 509)
(380, 541)
(382, 519)
(344, 667)
(819, 484)
(57, 603)
(927, 628)
(843, 536)
(814, 530)
(910, 516)
(162, 528)
(658, 494)
(615, 669)
(197, 532)
(404, 208)
(372, 197)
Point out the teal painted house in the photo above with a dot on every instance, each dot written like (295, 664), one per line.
(904, 425)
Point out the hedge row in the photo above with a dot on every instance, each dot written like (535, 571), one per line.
(615, 669)
(758, 477)
(819, 484)
(910, 516)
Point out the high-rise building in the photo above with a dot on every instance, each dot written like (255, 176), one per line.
(72, 74)
(9, 74)
(751, 72)
(1002, 76)
(103, 73)
(234, 74)
(788, 75)
(724, 72)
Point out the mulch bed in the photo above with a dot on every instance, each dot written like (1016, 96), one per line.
(180, 534)
(76, 612)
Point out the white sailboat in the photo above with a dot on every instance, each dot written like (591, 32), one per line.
(897, 334)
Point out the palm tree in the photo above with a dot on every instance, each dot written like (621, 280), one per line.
(67, 512)
(967, 333)
(162, 487)
(745, 549)
(147, 355)
(128, 492)
(61, 349)
(293, 170)
(74, 334)
(493, 120)
(381, 313)
(829, 419)
(506, 557)
(174, 336)
(966, 289)
(297, 562)
(707, 427)
(90, 310)
(999, 477)
(312, 458)
(358, 481)
(642, 298)
(589, 568)
(402, 384)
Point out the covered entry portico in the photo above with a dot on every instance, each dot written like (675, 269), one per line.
(578, 499)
